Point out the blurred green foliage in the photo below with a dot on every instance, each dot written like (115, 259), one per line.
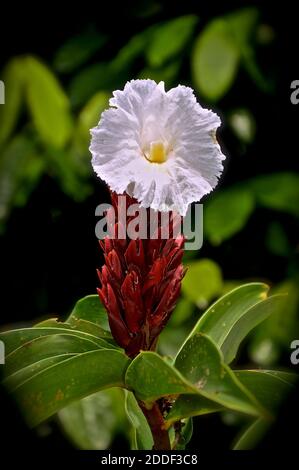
(57, 122)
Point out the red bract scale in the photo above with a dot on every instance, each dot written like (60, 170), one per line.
(140, 281)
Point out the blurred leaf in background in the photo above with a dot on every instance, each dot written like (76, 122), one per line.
(78, 50)
(170, 39)
(219, 49)
(94, 422)
(275, 335)
(47, 103)
(203, 282)
(227, 213)
(215, 60)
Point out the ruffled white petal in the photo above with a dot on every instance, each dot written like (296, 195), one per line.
(143, 113)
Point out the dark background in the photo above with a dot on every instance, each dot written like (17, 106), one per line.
(48, 250)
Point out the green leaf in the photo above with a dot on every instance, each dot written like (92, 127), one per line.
(275, 334)
(252, 434)
(108, 75)
(14, 87)
(132, 50)
(169, 39)
(87, 316)
(89, 116)
(199, 371)
(77, 50)
(254, 316)
(14, 379)
(166, 73)
(278, 191)
(270, 387)
(90, 80)
(47, 102)
(202, 282)
(234, 315)
(172, 337)
(186, 434)
(151, 377)
(14, 339)
(191, 405)
(227, 213)
(249, 62)
(71, 170)
(90, 308)
(92, 423)
(182, 312)
(142, 438)
(49, 345)
(78, 325)
(200, 362)
(215, 60)
(170, 340)
(57, 386)
(242, 24)
(91, 328)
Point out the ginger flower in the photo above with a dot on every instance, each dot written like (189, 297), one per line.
(158, 147)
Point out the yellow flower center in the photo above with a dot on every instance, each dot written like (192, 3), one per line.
(157, 152)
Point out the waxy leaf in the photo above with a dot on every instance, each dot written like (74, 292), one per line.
(200, 362)
(14, 379)
(46, 346)
(142, 437)
(89, 308)
(151, 377)
(72, 379)
(198, 370)
(191, 405)
(16, 338)
(79, 325)
(268, 387)
(234, 315)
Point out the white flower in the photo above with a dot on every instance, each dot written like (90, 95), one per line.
(159, 147)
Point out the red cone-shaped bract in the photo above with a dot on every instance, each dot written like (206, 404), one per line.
(140, 282)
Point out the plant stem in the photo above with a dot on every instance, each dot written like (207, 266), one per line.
(155, 420)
